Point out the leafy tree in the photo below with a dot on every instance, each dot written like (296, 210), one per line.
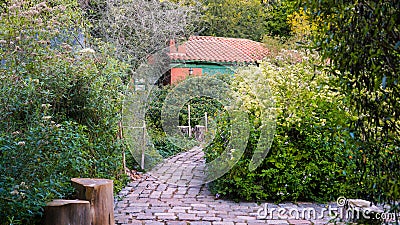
(361, 39)
(232, 18)
(139, 28)
(277, 13)
(246, 19)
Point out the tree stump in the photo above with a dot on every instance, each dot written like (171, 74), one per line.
(184, 130)
(199, 132)
(67, 212)
(99, 192)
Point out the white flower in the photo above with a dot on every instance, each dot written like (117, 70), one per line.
(87, 50)
(21, 143)
(46, 117)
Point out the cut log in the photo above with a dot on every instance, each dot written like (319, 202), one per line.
(99, 192)
(67, 212)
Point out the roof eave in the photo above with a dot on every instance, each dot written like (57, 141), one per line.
(211, 62)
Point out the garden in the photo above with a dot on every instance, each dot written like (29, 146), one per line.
(332, 75)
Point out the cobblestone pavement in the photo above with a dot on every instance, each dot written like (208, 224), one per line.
(173, 193)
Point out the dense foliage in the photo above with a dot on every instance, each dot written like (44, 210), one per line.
(337, 132)
(311, 155)
(59, 108)
(361, 40)
(246, 19)
(199, 105)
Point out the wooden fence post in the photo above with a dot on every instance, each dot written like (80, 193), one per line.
(143, 145)
(190, 128)
(206, 121)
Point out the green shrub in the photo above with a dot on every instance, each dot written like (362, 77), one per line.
(37, 165)
(59, 108)
(369, 76)
(309, 156)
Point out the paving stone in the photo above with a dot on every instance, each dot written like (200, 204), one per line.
(139, 204)
(319, 222)
(145, 216)
(256, 222)
(218, 212)
(187, 216)
(197, 211)
(277, 222)
(164, 214)
(166, 196)
(238, 213)
(247, 218)
(205, 214)
(222, 223)
(200, 223)
(177, 196)
(296, 222)
(156, 209)
(177, 223)
(155, 194)
(167, 217)
(211, 218)
(134, 209)
(135, 222)
(198, 205)
(151, 222)
(159, 204)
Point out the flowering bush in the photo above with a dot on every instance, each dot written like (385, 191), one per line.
(59, 108)
(309, 157)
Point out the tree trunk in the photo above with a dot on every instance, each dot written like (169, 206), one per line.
(67, 212)
(99, 192)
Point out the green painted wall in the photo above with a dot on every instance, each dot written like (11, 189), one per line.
(208, 68)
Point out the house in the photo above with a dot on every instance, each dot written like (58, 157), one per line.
(202, 55)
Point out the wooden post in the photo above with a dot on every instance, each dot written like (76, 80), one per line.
(190, 128)
(143, 145)
(67, 212)
(206, 121)
(123, 161)
(120, 136)
(99, 192)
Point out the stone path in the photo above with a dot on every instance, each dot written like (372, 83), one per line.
(173, 193)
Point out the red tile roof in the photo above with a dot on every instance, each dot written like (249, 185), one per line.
(218, 49)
